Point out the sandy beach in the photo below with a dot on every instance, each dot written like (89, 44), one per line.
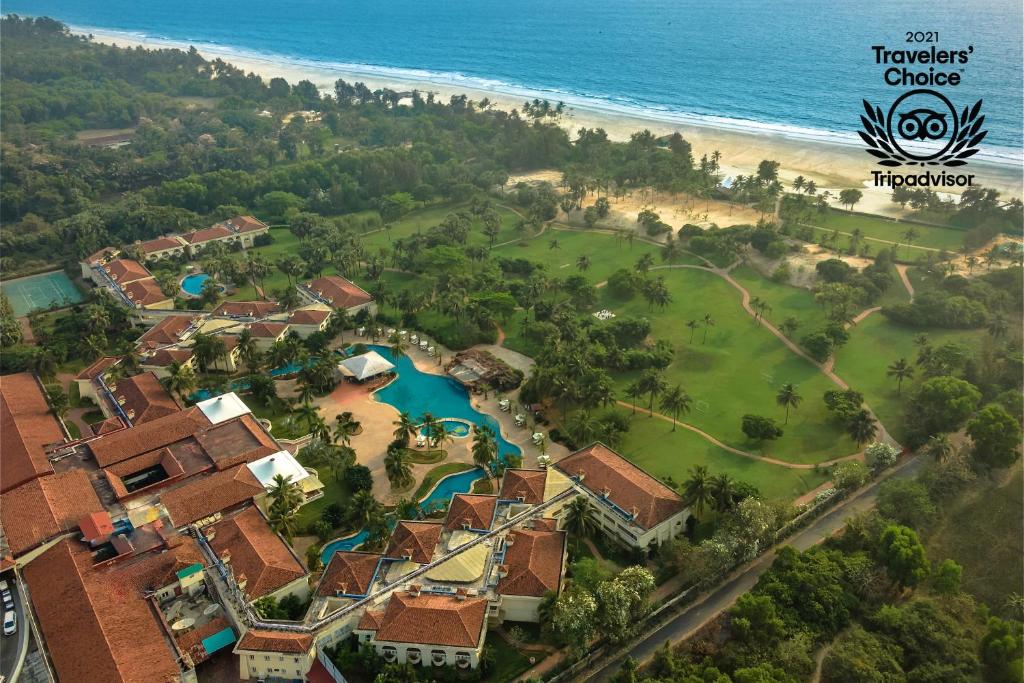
(831, 166)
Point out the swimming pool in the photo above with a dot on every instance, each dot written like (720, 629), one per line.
(416, 393)
(193, 284)
(40, 292)
(461, 482)
(456, 428)
(293, 367)
(347, 543)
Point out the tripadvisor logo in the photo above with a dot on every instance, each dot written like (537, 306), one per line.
(922, 127)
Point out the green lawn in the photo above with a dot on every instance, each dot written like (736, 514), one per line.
(334, 492)
(426, 218)
(653, 445)
(786, 301)
(738, 370)
(874, 344)
(880, 228)
(509, 662)
(283, 424)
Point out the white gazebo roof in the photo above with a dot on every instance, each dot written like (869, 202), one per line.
(224, 407)
(365, 365)
(283, 463)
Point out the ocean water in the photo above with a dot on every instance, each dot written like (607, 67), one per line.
(794, 67)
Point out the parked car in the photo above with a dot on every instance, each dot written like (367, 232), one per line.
(8, 600)
(4, 586)
(10, 623)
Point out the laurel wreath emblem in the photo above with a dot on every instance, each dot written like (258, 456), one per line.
(962, 147)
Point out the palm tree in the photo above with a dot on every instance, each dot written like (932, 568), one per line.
(862, 427)
(398, 345)
(248, 351)
(997, 326)
(285, 499)
(485, 448)
(693, 325)
(345, 427)
(676, 401)
(579, 518)
(723, 492)
(697, 489)
(583, 263)
(283, 521)
(181, 380)
(581, 428)
(653, 384)
(363, 506)
(788, 398)
(405, 428)
(635, 391)
(708, 322)
(901, 370)
(546, 608)
(397, 467)
(939, 447)
(208, 349)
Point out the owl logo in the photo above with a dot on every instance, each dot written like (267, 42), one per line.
(922, 128)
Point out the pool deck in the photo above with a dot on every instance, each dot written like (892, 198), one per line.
(377, 418)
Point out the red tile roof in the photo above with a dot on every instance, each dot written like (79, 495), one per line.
(533, 562)
(207, 234)
(101, 255)
(349, 572)
(159, 244)
(125, 270)
(416, 539)
(144, 397)
(340, 292)
(256, 552)
(545, 524)
(246, 224)
(268, 330)
(96, 526)
(167, 331)
(163, 358)
(26, 428)
(147, 437)
(97, 625)
(236, 441)
(470, 511)
(275, 641)
(606, 473)
(98, 367)
(246, 309)
(308, 316)
(526, 483)
(144, 292)
(370, 621)
(433, 620)
(203, 496)
(111, 424)
(46, 507)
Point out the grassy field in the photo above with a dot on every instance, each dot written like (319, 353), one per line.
(878, 228)
(874, 344)
(424, 219)
(508, 661)
(737, 371)
(981, 530)
(653, 445)
(786, 301)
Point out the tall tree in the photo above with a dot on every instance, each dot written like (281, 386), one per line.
(676, 401)
(697, 489)
(900, 369)
(787, 397)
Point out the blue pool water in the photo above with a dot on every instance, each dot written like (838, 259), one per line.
(350, 543)
(193, 284)
(456, 428)
(454, 483)
(292, 367)
(416, 393)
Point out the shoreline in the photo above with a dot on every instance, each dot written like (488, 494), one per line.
(835, 163)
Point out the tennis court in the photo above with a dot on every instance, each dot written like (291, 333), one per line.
(40, 292)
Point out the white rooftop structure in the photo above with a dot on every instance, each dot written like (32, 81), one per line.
(364, 366)
(224, 407)
(283, 463)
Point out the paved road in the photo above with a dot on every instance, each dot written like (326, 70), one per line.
(689, 621)
(13, 648)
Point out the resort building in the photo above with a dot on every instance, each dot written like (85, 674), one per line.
(46, 508)
(275, 655)
(310, 319)
(171, 329)
(240, 230)
(161, 247)
(631, 506)
(470, 512)
(284, 464)
(159, 362)
(338, 293)
(86, 380)
(264, 334)
(245, 310)
(231, 360)
(28, 431)
(534, 565)
(365, 367)
(146, 293)
(141, 398)
(198, 240)
(248, 228)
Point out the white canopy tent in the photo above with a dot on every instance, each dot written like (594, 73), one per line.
(365, 366)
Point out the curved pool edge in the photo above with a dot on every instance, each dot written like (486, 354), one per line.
(448, 476)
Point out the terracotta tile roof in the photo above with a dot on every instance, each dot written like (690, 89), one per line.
(349, 572)
(46, 507)
(111, 424)
(340, 292)
(160, 244)
(370, 621)
(207, 234)
(268, 330)
(433, 620)
(255, 552)
(144, 397)
(416, 539)
(246, 224)
(116, 637)
(470, 511)
(275, 641)
(101, 255)
(230, 341)
(99, 367)
(150, 436)
(203, 496)
(125, 270)
(545, 524)
(246, 309)
(163, 457)
(606, 473)
(26, 428)
(144, 292)
(192, 641)
(533, 561)
(308, 316)
(526, 483)
(236, 441)
(96, 526)
(167, 331)
(163, 358)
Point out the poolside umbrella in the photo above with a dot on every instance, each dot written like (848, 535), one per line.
(365, 366)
